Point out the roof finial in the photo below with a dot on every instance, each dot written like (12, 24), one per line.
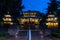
(8, 12)
(50, 12)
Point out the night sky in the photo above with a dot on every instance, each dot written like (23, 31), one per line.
(39, 5)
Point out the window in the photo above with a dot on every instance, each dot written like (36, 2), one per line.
(31, 20)
(51, 19)
(7, 19)
(26, 14)
(48, 19)
(22, 21)
(52, 24)
(8, 23)
(7, 15)
(55, 18)
(32, 14)
(36, 21)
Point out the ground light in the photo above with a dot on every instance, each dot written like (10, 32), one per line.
(29, 34)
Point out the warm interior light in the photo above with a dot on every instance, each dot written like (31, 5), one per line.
(7, 19)
(46, 23)
(52, 24)
(31, 20)
(51, 19)
(50, 15)
(8, 23)
(29, 14)
(7, 15)
(36, 21)
(49, 24)
(27, 20)
(56, 23)
(40, 19)
(55, 18)
(11, 23)
(48, 19)
(10, 19)
(22, 21)
(32, 14)
(25, 14)
(4, 22)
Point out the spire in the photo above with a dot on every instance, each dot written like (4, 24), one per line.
(8, 12)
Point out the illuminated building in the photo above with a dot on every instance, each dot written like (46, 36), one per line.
(52, 21)
(7, 19)
(30, 19)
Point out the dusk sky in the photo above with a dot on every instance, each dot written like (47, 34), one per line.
(39, 5)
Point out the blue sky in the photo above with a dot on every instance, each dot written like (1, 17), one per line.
(39, 5)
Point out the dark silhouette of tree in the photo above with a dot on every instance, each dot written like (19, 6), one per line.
(42, 22)
(12, 6)
(58, 12)
(52, 7)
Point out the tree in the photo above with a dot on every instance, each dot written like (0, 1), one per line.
(12, 6)
(58, 12)
(52, 7)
